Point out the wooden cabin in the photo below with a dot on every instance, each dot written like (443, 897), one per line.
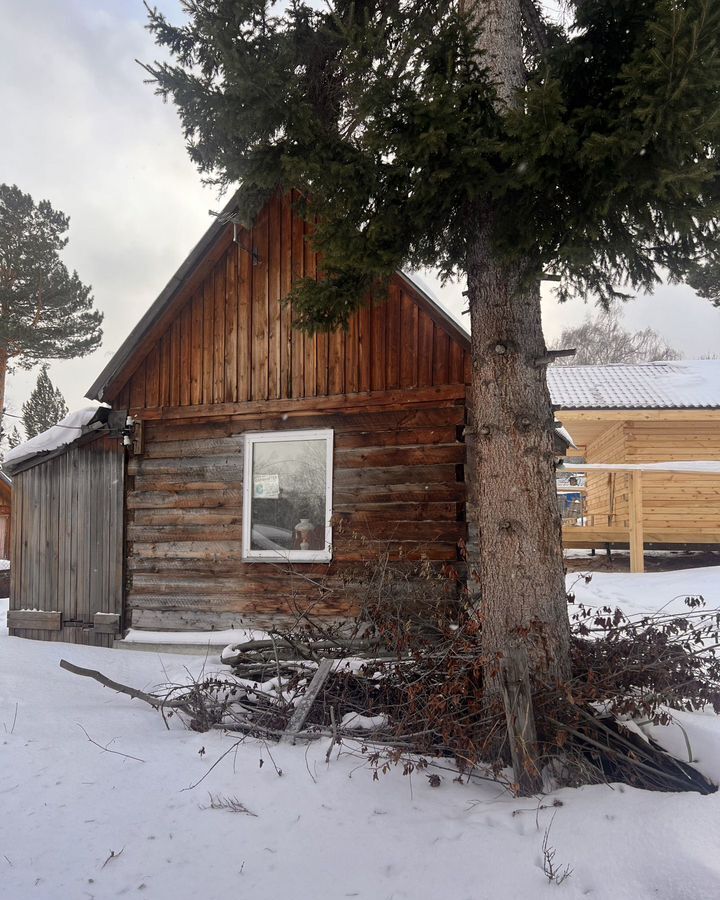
(264, 466)
(5, 510)
(662, 422)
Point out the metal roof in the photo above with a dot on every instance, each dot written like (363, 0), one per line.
(657, 385)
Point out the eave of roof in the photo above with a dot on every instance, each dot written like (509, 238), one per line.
(566, 408)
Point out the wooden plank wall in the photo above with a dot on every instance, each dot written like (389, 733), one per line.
(67, 552)
(231, 339)
(607, 494)
(677, 507)
(398, 487)
(688, 506)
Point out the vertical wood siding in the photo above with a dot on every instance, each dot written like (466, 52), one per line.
(231, 338)
(67, 552)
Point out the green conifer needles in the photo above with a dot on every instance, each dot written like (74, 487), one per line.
(383, 114)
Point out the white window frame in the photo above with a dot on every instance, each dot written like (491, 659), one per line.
(273, 437)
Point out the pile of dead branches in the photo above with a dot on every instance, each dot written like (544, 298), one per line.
(405, 688)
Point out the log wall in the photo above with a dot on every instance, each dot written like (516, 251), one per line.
(686, 505)
(67, 553)
(398, 487)
(4, 533)
(607, 493)
(677, 507)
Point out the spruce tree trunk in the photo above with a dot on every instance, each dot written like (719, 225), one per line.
(3, 376)
(513, 510)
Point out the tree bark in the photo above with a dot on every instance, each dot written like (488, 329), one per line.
(4, 360)
(513, 512)
(513, 503)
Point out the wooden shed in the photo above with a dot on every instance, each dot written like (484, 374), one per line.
(662, 422)
(67, 531)
(5, 510)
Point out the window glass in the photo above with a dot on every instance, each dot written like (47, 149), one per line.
(288, 496)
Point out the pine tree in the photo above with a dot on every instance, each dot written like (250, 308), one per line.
(472, 136)
(45, 311)
(13, 439)
(45, 406)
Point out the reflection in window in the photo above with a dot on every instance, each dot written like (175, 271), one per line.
(287, 495)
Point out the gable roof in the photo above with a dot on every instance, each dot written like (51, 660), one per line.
(682, 384)
(160, 308)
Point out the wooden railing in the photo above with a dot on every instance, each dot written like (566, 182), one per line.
(634, 533)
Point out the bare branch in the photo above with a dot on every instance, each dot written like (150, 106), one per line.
(155, 702)
(106, 748)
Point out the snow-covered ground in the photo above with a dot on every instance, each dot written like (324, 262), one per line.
(79, 822)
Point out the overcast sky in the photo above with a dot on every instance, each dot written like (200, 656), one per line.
(83, 131)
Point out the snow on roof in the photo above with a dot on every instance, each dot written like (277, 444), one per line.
(680, 384)
(65, 432)
(416, 279)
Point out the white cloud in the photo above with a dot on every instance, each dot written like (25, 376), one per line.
(84, 131)
(92, 138)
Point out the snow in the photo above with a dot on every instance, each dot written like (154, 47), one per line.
(4, 565)
(705, 467)
(356, 722)
(638, 594)
(681, 384)
(81, 822)
(565, 435)
(422, 285)
(65, 432)
(210, 638)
